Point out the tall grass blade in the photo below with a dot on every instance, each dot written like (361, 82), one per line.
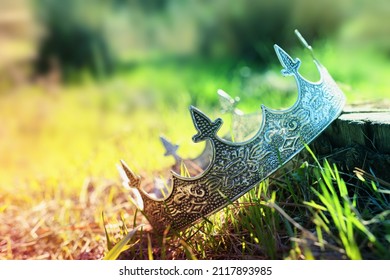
(150, 248)
(121, 246)
(110, 244)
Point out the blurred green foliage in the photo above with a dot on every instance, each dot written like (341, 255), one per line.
(86, 34)
(73, 38)
(60, 142)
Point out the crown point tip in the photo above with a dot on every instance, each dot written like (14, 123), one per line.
(193, 109)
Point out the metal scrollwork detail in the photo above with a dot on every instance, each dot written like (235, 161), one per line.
(235, 168)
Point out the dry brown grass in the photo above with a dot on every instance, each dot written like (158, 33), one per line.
(55, 228)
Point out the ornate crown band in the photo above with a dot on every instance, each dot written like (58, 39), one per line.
(242, 127)
(235, 168)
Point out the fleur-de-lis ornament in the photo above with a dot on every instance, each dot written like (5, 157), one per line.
(236, 167)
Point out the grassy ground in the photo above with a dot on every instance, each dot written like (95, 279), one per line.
(59, 148)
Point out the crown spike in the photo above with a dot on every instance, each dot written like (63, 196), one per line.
(228, 104)
(207, 129)
(304, 43)
(290, 65)
(132, 182)
(129, 177)
(170, 149)
(235, 168)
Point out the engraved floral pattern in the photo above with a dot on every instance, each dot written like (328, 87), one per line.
(238, 167)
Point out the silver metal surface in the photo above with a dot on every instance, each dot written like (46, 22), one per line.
(242, 127)
(237, 167)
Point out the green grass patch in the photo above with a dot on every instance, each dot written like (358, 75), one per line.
(59, 150)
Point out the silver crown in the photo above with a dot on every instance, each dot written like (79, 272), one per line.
(242, 126)
(237, 167)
